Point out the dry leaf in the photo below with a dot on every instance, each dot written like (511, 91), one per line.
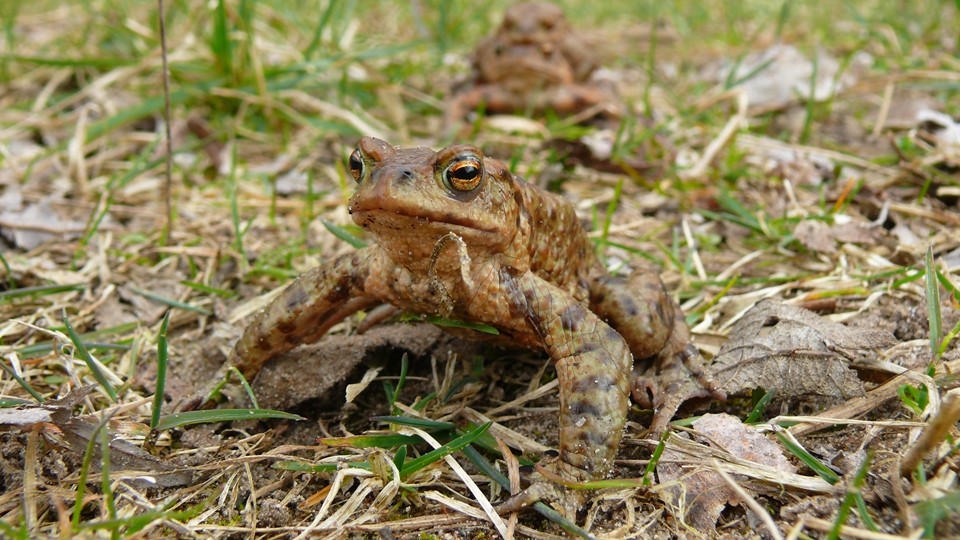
(777, 75)
(124, 457)
(794, 351)
(53, 411)
(818, 236)
(37, 224)
(815, 235)
(327, 365)
(704, 491)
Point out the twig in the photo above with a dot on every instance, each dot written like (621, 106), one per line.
(934, 433)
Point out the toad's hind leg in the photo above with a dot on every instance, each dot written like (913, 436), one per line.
(653, 325)
(639, 309)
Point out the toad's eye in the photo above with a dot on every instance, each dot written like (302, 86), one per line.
(356, 165)
(464, 175)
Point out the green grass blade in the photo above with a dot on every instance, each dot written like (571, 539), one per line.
(161, 372)
(299, 466)
(46, 346)
(457, 387)
(222, 293)
(437, 454)
(732, 205)
(421, 423)
(948, 285)
(400, 457)
(932, 511)
(105, 486)
(246, 386)
(39, 290)
(695, 315)
(811, 99)
(138, 522)
(85, 470)
(395, 392)
(948, 338)
(760, 407)
(864, 514)
(486, 468)
(822, 470)
(611, 208)
(9, 532)
(26, 386)
(170, 302)
(85, 355)
(655, 458)
(932, 287)
(221, 415)
(11, 283)
(220, 44)
(39, 349)
(76, 63)
(439, 321)
(318, 32)
(379, 440)
(853, 491)
(343, 234)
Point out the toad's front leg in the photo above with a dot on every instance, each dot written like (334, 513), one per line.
(593, 367)
(304, 311)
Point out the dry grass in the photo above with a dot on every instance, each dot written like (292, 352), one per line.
(267, 100)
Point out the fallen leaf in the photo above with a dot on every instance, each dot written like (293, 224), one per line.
(793, 351)
(37, 224)
(125, 458)
(815, 236)
(778, 74)
(704, 492)
(53, 411)
(818, 236)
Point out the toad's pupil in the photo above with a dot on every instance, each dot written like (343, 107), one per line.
(464, 172)
(356, 166)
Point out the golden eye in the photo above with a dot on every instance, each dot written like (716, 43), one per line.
(356, 165)
(464, 174)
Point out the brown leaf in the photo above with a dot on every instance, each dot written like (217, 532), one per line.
(704, 492)
(320, 371)
(818, 236)
(52, 411)
(792, 350)
(124, 456)
(815, 235)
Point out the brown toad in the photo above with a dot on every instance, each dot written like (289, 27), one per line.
(533, 63)
(461, 237)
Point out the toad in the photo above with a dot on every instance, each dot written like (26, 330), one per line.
(533, 63)
(460, 237)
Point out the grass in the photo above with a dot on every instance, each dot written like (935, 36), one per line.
(284, 90)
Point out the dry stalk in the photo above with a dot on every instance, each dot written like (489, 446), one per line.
(935, 432)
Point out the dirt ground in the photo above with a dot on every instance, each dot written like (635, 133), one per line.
(843, 210)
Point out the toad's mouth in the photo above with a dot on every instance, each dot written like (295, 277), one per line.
(371, 217)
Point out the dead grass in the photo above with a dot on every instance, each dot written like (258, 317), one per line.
(829, 205)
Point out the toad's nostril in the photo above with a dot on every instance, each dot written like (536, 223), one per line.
(407, 173)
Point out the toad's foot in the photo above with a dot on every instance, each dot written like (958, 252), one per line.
(667, 387)
(547, 487)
